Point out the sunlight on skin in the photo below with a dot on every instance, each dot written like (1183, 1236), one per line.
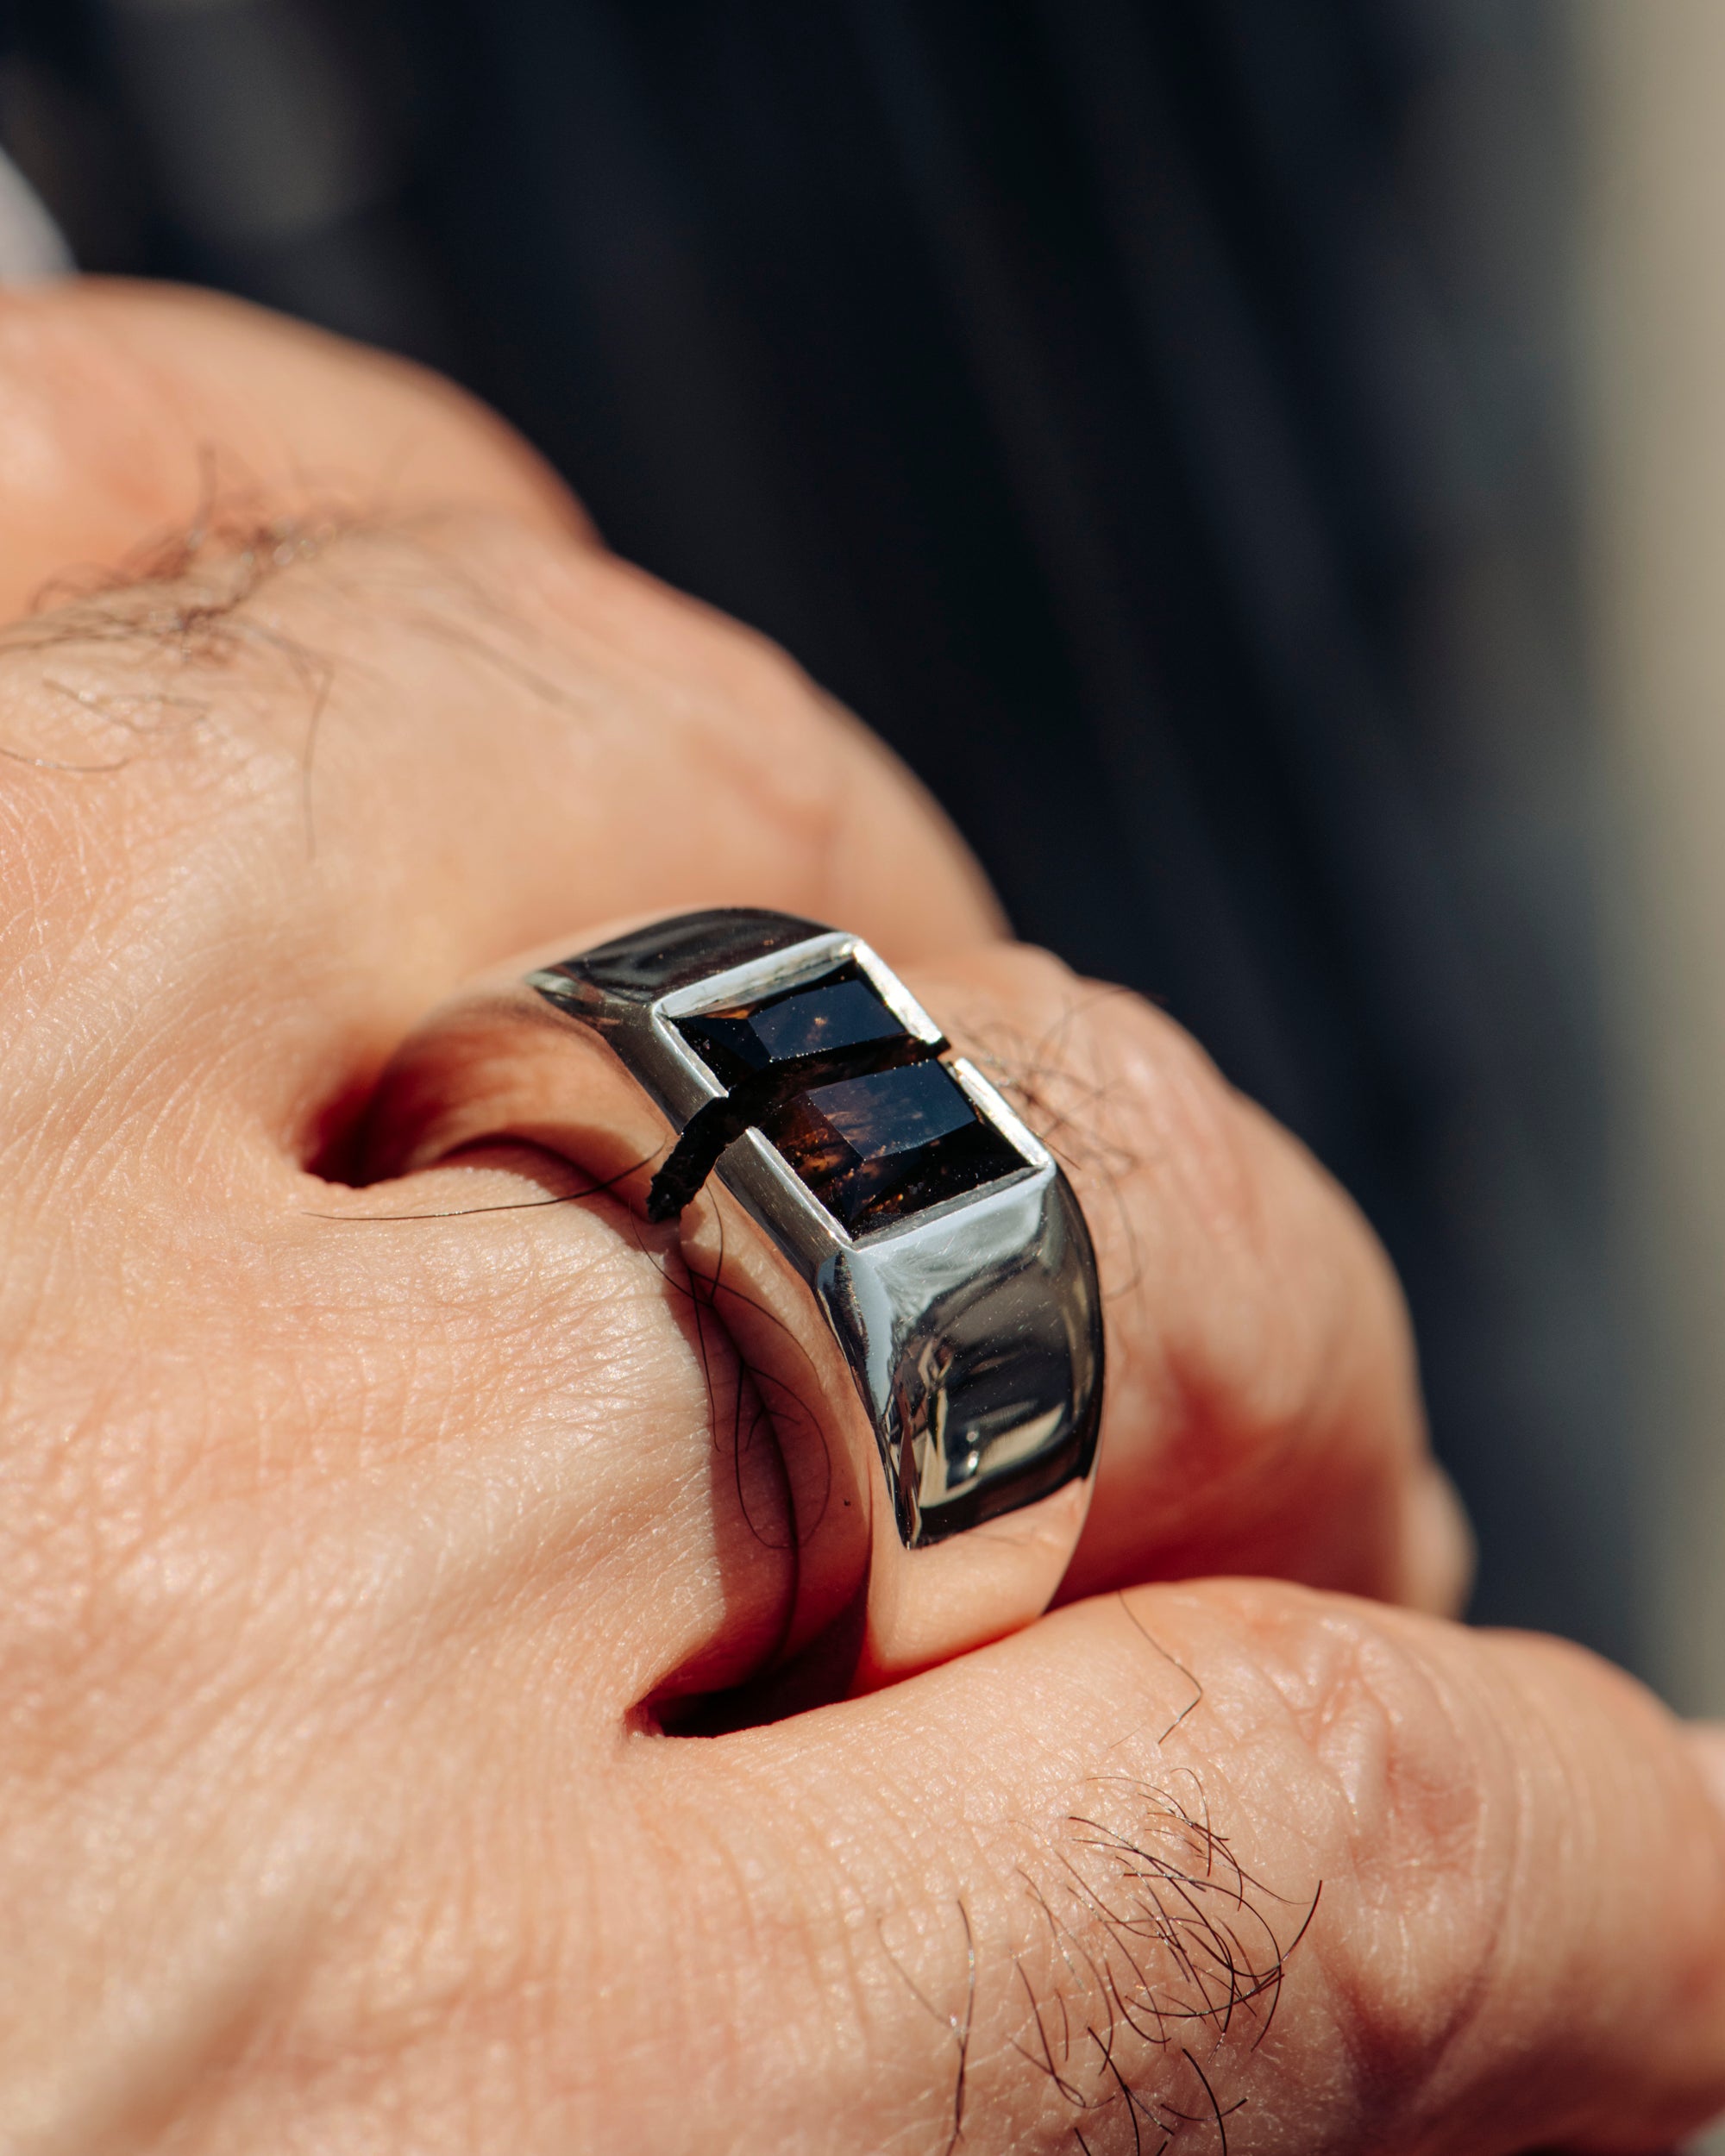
(356, 1533)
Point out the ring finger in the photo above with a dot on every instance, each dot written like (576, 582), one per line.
(1261, 1414)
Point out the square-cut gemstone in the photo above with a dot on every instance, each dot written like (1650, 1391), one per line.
(841, 1010)
(880, 1148)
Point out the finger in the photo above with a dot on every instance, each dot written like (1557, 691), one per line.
(292, 1569)
(363, 729)
(122, 405)
(1232, 1866)
(542, 1397)
(1260, 1407)
(1261, 1411)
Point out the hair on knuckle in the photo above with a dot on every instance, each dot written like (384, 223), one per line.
(1130, 1974)
(1158, 1964)
(125, 662)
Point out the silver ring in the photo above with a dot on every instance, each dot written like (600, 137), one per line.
(923, 1232)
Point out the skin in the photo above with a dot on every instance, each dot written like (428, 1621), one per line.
(356, 1533)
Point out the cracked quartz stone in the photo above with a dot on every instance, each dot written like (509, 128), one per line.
(841, 1010)
(865, 1113)
(879, 1148)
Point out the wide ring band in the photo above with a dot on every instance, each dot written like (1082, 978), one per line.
(876, 1198)
(943, 1244)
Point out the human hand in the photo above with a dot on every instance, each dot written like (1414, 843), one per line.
(358, 1537)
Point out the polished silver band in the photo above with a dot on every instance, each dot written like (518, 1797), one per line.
(940, 1241)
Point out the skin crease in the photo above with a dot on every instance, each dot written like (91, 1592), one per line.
(348, 1532)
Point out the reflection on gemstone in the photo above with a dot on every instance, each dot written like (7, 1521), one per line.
(862, 1108)
(876, 1149)
(842, 1009)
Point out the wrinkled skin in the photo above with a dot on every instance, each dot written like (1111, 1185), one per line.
(356, 1533)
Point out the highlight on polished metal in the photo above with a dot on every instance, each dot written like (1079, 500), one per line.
(940, 1241)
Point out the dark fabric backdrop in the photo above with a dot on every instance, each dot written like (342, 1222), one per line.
(1153, 417)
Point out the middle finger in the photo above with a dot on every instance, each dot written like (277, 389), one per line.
(1262, 1413)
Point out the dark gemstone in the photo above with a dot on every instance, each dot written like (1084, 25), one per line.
(843, 1009)
(861, 1109)
(880, 1148)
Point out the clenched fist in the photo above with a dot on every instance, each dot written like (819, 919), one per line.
(373, 1545)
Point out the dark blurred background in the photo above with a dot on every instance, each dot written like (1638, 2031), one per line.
(1156, 419)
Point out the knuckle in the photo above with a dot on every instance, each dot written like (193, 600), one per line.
(104, 414)
(724, 697)
(1197, 1204)
(1124, 1091)
(1402, 1781)
(725, 734)
(1249, 1291)
(111, 393)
